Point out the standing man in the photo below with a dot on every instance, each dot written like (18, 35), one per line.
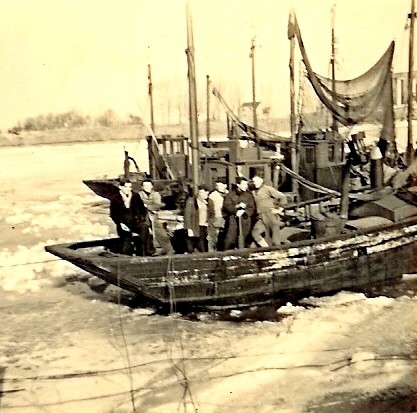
(130, 215)
(215, 216)
(196, 220)
(238, 209)
(153, 204)
(268, 221)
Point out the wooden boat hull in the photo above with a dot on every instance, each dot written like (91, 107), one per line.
(250, 275)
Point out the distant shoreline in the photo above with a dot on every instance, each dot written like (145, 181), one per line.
(92, 135)
(117, 133)
(138, 132)
(76, 135)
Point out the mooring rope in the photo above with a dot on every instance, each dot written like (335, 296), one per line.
(170, 284)
(29, 263)
(129, 365)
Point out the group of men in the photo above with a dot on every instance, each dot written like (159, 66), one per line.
(239, 218)
(213, 221)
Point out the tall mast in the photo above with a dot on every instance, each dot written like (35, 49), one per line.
(151, 97)
(252, 56)
(333, 65)
(208, 109)
(192, 96)
(409, 152)
(294, 143)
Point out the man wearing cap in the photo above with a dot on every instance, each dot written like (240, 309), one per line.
(153, 203)
(238, 209)
(269, 202)
(196, 220)
(215, 215)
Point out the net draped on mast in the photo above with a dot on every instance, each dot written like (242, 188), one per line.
(367, 98)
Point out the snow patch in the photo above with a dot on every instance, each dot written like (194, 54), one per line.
(143, 311)
(409, 277)
(343, 297)
(290, 309)
(381, 301)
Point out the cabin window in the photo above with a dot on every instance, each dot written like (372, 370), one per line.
(167, 149)
(403, 92)
(253, 170)
(331, 153)
(309, 154)
(213, 176)
(177, 147)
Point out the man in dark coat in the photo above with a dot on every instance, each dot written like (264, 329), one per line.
(239, 210)
(130, 215)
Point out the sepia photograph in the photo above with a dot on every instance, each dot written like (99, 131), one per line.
(208, 206)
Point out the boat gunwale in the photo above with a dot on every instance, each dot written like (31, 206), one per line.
(72, 247)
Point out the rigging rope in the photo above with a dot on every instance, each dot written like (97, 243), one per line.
(255, 134)
(310, 185)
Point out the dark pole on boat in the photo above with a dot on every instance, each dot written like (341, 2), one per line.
(294, 143)
(333, 66)
(151, 97)
(410, 151)
(255, 118)
(377, 168)
(344, 200)
(208, 110)
(252, 56)
(192, 96)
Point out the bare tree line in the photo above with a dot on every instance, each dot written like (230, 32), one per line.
(73, 119)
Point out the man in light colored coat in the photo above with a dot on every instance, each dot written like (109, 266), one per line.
(153, 202)
(215, 216)
(269, 202)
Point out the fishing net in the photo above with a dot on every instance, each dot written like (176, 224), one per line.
(365, 99)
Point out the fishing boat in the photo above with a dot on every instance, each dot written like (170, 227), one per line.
(333, 238)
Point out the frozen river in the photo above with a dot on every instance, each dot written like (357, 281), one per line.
(67, 348)
(45, 172)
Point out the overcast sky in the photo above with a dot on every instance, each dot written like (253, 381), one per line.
(91, 55)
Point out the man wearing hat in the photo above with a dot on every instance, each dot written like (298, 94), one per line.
(239, 209)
